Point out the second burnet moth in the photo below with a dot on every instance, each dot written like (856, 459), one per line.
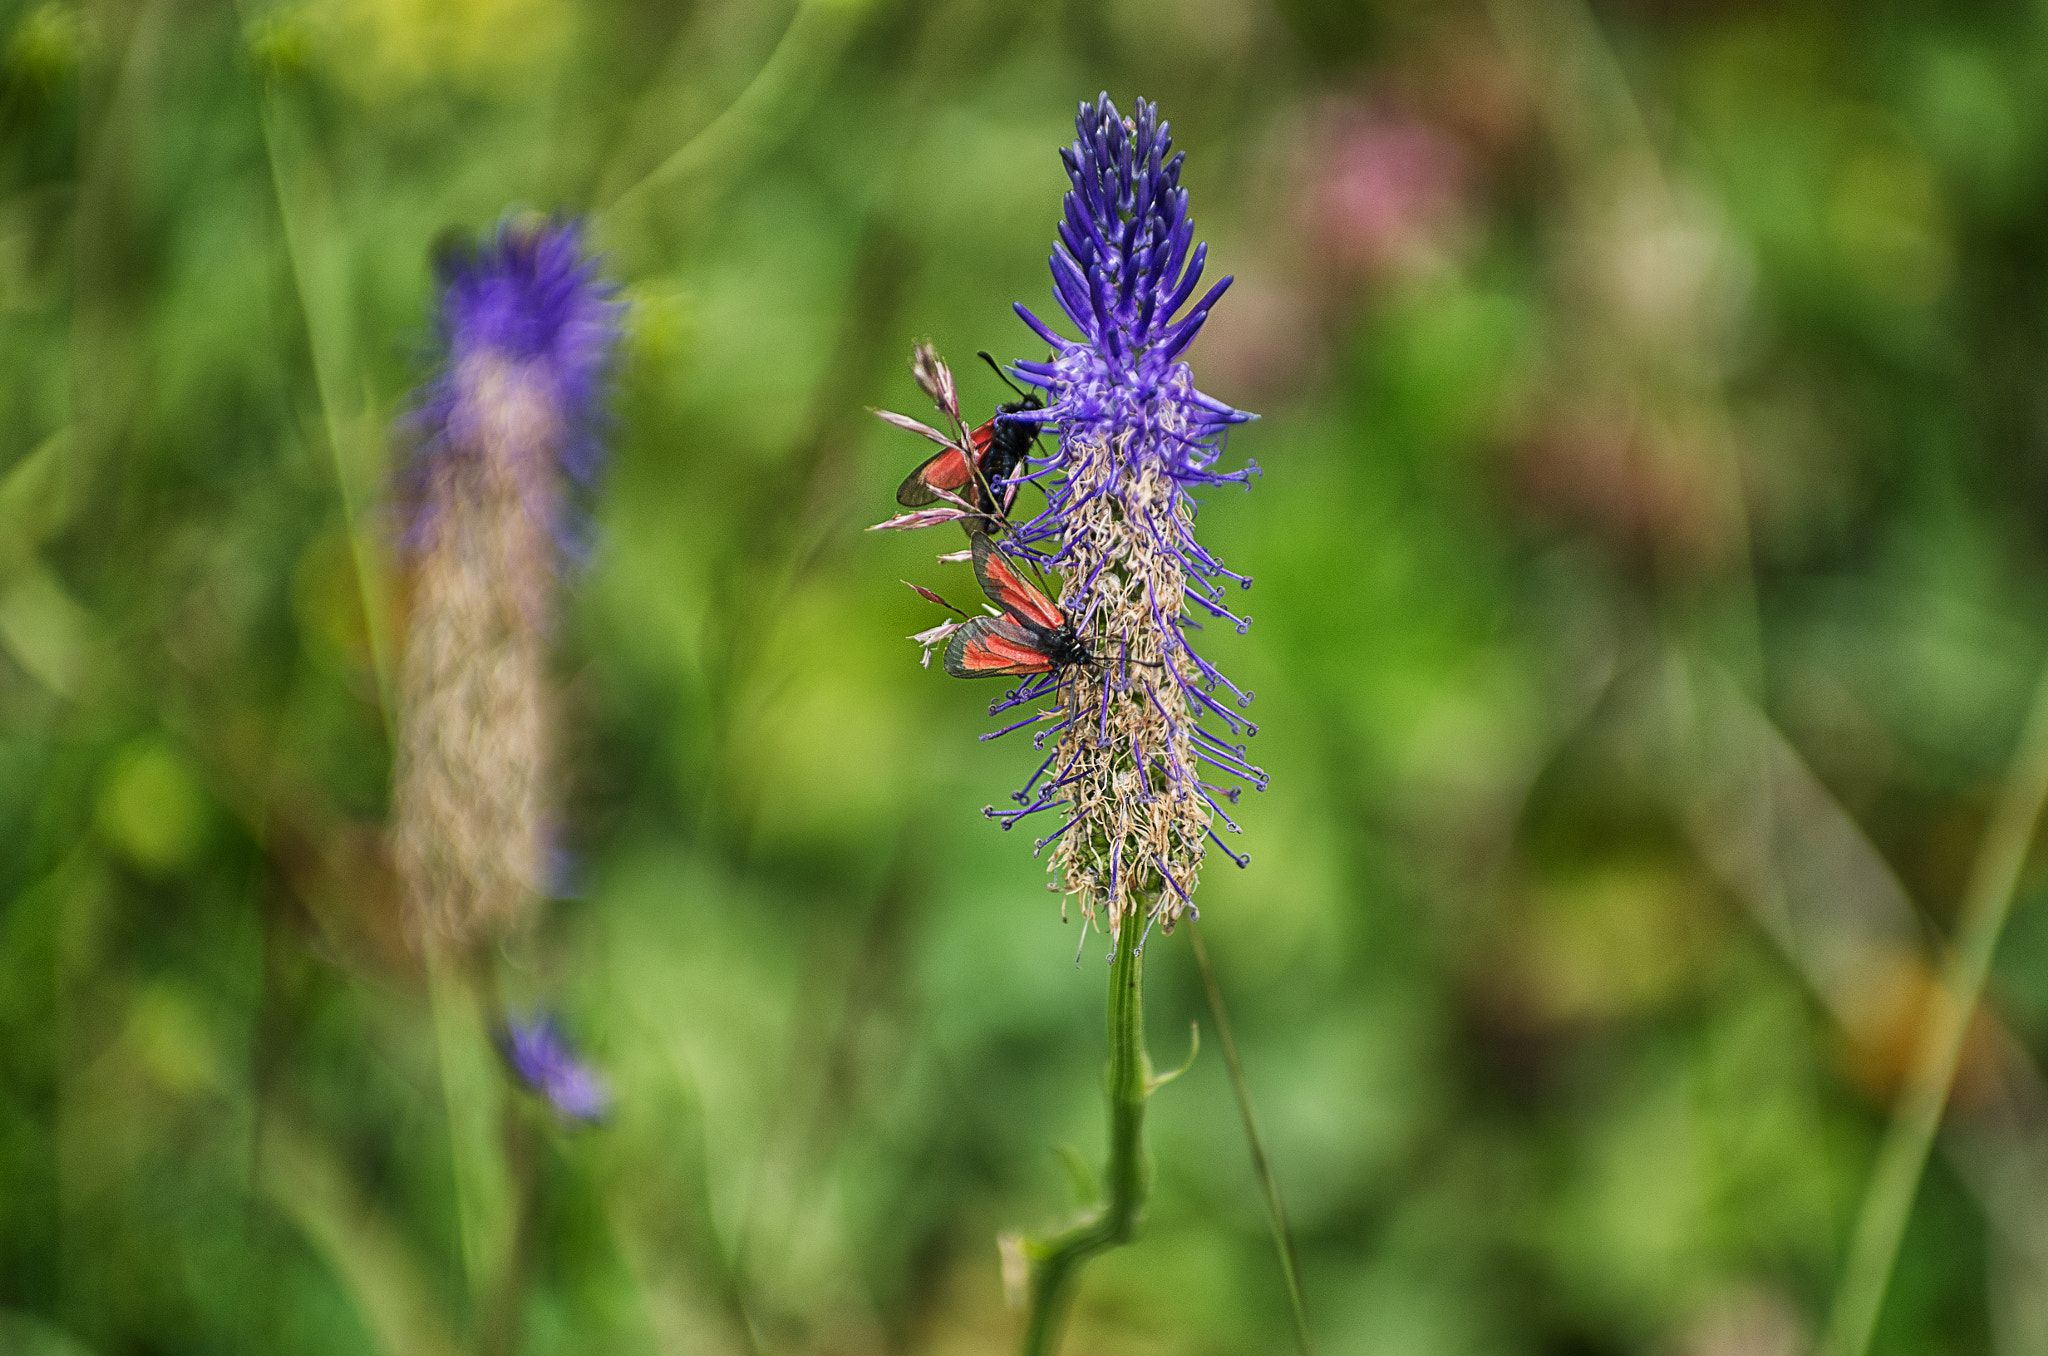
(1031, 636)
(979, 473)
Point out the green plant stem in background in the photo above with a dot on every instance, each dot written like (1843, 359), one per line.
(349, 444)
(771, 105)
(1055, 1262)
(1888, 1201)
(499, 1326)
(474, 1097)
(1276, 1209)
(368, 1254)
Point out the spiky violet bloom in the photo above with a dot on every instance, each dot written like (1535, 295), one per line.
(527, 330)
(1139, 779)
(542, 1058)
(508, 420)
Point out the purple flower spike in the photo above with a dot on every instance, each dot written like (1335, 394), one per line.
(1135, 438)
(1122, 272)
(527, 329)
(541, 1057)
(507, 421)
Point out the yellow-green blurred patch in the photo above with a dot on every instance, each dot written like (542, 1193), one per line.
(1611, 939)
(46, 45)
(152, 809)
(387, 49)
(1885, 216)
(659, 325)
(328, 602)
(170, 1041)
(280, 43)
(47, 632)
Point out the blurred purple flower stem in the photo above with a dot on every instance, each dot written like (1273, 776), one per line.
(507, 425)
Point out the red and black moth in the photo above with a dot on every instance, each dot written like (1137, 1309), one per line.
(979, 473)
(1032, 636)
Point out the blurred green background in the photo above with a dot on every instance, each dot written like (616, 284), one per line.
(1650, 582)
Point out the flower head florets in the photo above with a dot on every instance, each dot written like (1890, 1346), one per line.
(1134, 770)
(527, 330)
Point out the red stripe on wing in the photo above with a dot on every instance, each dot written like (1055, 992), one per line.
(1010, 590)
(994, 647)
(946, 470)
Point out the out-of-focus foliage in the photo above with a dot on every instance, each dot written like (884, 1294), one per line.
(1651, 573)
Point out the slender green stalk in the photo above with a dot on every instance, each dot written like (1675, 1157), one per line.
(1056, 1262)
(329, 357)
(1276, 1209)
(1888, 1200)
(787, 84)
(499, 1326)
(473, 1097)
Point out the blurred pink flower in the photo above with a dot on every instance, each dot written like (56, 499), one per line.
(1383, 191)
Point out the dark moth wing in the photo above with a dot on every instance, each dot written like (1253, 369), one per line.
(1011, 591)
(948, 470)
(995, 647)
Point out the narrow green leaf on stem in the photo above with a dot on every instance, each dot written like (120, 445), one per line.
(1888, 1200)
(1159, 1081)
(1080, 1176)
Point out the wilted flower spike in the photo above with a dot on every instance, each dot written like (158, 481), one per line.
(1135, 436)
(542, 1058)
(528, 330)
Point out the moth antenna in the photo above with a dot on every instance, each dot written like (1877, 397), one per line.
(1124, 658)
(997, 369)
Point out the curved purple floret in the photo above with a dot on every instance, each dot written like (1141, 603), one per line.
(542, 1058)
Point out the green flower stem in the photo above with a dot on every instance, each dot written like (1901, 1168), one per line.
(1888, 1201)
(1055, 1262)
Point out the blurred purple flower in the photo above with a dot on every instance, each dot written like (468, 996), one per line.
(527, 330)
(542, 1058)
(1135, 437)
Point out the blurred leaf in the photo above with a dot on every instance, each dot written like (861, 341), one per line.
(49, 633)
(152, 809)
(311, 1187)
